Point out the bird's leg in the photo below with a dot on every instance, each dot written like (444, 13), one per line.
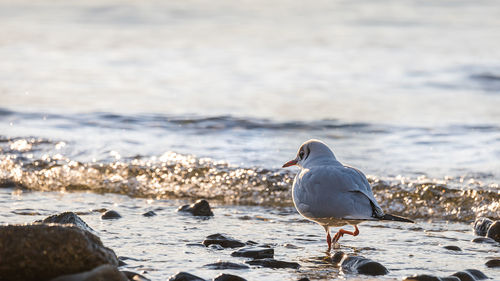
(328, 239)
(341, 233)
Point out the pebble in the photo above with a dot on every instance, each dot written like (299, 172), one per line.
(223, 241)
(422, 277)
(481, 226)
(452, 248)
(256, 253)
(483, 240)
(184, 276)
(362, 265)
(466, 275)
(494, 231)
(149, 214)
(493, 263)
(228, 277)
(226, 265)
(67, 218)
(199, 208)
(272, 263)
(110, 215)
(104, 272)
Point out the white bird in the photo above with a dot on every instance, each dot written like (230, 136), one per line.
(332, 194)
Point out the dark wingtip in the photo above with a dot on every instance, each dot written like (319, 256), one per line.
(389, 217)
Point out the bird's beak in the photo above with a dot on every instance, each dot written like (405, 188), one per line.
(290, 163)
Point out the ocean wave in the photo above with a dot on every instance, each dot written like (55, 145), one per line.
(174, 175)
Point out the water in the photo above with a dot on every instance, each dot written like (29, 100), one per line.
(177, 100)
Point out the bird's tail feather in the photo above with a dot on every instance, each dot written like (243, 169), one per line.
(389, 217)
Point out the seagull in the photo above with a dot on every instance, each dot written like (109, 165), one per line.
(332, 194)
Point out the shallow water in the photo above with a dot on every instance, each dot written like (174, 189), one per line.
(164, 244)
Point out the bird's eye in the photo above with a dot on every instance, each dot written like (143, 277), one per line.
(301, 154)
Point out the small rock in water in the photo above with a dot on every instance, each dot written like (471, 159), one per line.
(272, 263)
(67, 218)
(452, 248)
(104, 272)
(256, 253)
(134, 276)
(110, 215)
(493, 263)
(228, 277)
(483, 240)
(363, 265)
(224, 241)
(199, 208)
(337, 257)
(422, 277)
(449, 278)
(494, 231)
(226, 265)
(149, 214)
(477, 274)
(481, 226)
(184, 276)
(464, 276)
(304, 279)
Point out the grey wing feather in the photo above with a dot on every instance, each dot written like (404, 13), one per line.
(364, 187)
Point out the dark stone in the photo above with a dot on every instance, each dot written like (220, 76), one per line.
(272, 263)
(45, 251)
(184, 276)
(256, 253)
(484, 240)
(224, 241)
(337, 257)
(450, 278)
(199, 208)
(477, 274)
(226, 265)
(110, 215)
(104, 272)
(304, 279)
(494, 231)
(452, 248)
(422, 277)
(493, 263)
(464, 276)
(67, 218)
(228, 277)
(481, 226)
(133, 276)
(149, 214)
(362, 265)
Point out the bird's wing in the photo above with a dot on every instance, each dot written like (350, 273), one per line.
(361, 184)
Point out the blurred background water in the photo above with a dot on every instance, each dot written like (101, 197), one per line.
(132, 96)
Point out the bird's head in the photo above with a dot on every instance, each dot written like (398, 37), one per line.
(311, 150)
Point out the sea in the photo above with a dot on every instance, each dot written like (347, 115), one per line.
(148, 105)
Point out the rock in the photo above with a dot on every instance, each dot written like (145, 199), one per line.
(226, 265)
(184, 276)
(228, 277)
(104, 272)
(272, 263)
(493, 263)
(337, 257)
(422, 277)
(452, 248)
(304, 279)
(45, 251)
(256, 253)
(477, 274)
(224, 241)
(133, 276)
(67, 218)
(149, 214)
(483, 240)
(199, 208)
(494, 231)
(450, 278)
(481, 226)
(464, 276)
(110, 215)
(362, 265)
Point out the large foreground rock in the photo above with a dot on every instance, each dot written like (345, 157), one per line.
(45, 251)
